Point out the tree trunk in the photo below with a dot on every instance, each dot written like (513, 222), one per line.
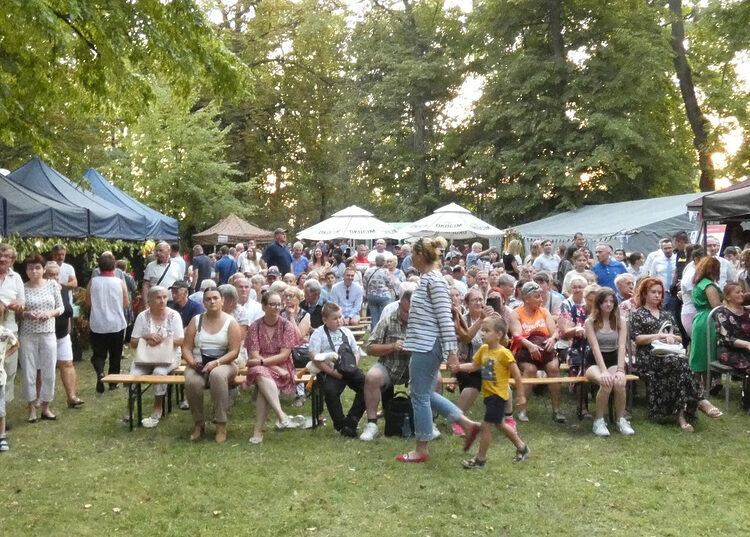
(698, 122)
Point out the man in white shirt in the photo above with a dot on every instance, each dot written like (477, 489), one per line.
(548, 260)
(12, 300)
(67, 275)
(664, 267)
(379, 249)
(253, 308)
(728, 272)
(162, 271)
(174, 255)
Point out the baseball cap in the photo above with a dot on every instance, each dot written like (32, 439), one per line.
(273, 271)
(279, 230)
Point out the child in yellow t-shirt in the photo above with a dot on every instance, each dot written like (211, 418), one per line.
(496, 364)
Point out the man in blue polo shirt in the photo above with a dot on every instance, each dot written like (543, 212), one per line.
(277, 254)
(226, 266)
(182, 304)
(607, 268)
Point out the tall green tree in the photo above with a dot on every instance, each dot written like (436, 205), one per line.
(578, 107)
(174, 160)
(406, 65)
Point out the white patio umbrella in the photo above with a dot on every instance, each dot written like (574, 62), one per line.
(350, 223)
(451, 222)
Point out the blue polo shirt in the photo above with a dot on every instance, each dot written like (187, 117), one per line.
(299, 265)
(190, 310)
(606, 274)
(278, 256)
(225, 267)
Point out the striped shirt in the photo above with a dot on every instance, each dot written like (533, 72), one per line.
(430, 316)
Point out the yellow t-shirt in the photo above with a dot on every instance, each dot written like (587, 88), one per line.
(495, 370)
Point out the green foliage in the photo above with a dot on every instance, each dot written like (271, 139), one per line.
(173, 159)
(65, 62)
(74, 247)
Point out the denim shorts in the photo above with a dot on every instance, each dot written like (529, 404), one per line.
(494, 409)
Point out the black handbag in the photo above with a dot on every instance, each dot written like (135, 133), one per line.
(347, 362)
(300, 356)
(399, 416)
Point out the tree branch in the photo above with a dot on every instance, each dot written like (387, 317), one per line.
(66, 19)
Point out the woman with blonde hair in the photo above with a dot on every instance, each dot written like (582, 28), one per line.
(512, 258)
(431, 338)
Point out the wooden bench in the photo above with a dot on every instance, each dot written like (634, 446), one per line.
(135, 385)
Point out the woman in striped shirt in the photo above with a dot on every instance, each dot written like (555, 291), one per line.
(431, 337)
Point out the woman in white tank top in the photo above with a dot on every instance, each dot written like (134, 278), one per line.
(107, 296)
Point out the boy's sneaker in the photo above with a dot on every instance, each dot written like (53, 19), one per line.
(370, 433)
(457, 430)
(522, 416)
(600, 428)
(4, 444)
(521, 454)
(511, 423)
(184, 405)
(474, 464)
(558, 416)
(435, 433)
(624, 427)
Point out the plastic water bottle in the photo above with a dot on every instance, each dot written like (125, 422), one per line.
(406, 427)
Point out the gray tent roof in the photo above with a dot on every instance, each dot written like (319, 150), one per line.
(158, 225)
(105, 220)
(731, 203)
(634, 225)
(32, 215)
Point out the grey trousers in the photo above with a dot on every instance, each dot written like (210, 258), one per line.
(218, 383)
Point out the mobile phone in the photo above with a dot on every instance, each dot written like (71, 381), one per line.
(494, 303)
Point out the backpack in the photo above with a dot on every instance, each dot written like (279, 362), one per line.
(347, 362)
(399, 416)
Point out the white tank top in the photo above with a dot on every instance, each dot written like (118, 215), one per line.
(219, 341)
(107, 314)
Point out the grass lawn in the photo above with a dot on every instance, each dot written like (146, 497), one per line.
(87, 475)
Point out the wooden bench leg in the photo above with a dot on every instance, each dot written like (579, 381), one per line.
(131, 397)
(317, 400)
(581, 389)
(169, 401)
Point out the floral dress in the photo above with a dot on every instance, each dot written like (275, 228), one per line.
(577, 346)
(284, 337)
(671, 382)
(729, 328)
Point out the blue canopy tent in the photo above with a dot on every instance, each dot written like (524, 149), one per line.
(158, 225)
(106, 221)
(32, 215)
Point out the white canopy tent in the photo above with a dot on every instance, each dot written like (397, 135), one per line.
(451, 222)
(350, 223)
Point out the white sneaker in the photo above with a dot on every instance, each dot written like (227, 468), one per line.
(150, 422)
(624, 427)
(370, 433)
(255, 440)
(600, 428)
(522, 416)
(435, 432)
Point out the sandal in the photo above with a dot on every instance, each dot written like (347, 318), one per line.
(709, 410)
(75, 403)
(409, 457)
(197, 432)
(686, 427)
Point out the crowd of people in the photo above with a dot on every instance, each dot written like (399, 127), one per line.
(491, 314)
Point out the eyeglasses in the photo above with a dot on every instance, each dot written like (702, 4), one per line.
(276, 305)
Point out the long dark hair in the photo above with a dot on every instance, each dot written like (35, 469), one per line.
(596, 315)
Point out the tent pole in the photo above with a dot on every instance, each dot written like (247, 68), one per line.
(705, 235)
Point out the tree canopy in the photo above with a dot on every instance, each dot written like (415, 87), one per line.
(285, 111)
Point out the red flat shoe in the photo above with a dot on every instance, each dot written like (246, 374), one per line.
(407, 457)
(471, 435)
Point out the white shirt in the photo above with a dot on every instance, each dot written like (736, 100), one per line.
(67, 272)
(646, 268)
(547, 262)
(254, 310)
(728, 272)
(11, 289)
(319, 340)
(372, 255)
(107, 314)
(170, 327)
(686, 285)
(154, 271)
(179, 260)
(248, 265)
(659, 268)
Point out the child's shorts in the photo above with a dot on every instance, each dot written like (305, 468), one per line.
(2, 401)
(494, 409)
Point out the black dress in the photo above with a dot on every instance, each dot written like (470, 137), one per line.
(672, 384)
